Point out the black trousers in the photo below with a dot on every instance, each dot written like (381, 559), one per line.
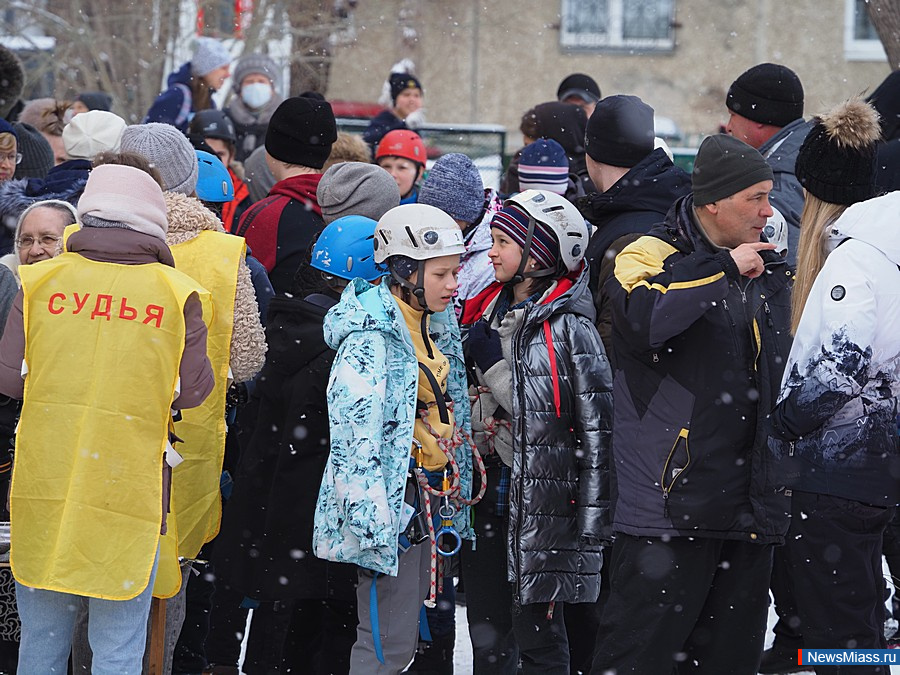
(891, 552)
(583, 623)
(834, 553)
(501, 635)
(788, 629)
(684, 605)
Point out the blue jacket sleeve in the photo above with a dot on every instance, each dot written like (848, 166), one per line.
(261, 285)
(167, 108)
(356, 400)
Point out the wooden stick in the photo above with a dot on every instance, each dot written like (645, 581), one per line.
(157, 636)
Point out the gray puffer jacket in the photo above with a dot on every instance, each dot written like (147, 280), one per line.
(561, 412)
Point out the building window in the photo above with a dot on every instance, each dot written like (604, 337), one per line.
(618, 24)
(861, 42)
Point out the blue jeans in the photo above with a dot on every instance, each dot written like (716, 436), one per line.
(117, 631)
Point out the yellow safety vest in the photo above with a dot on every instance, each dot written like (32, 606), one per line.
(212, 259)
(103, 345)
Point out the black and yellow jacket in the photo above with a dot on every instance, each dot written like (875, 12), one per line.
(700, 354)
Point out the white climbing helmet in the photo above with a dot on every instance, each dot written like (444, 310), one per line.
(561, 216)
(417, 231)
(776, 231)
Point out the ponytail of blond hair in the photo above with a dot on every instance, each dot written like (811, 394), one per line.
(815, 225)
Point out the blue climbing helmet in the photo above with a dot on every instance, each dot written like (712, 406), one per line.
(344, 249)
(213, 182)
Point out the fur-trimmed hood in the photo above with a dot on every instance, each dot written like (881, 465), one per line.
(187, 218)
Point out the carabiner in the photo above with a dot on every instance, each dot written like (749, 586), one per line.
(446, 513)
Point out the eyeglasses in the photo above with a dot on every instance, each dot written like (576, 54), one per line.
(45, 241)
(15, 159)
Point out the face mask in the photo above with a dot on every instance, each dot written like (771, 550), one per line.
(256, 95)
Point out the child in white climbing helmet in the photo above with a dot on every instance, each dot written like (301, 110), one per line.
(399, 420)
(542, 415)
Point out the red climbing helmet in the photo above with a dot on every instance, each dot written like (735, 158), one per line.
(402, 143)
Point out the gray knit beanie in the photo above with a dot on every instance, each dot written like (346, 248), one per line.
(209, 54)
(168, 150)
(455, 187)
(356, 189)
(254, 63)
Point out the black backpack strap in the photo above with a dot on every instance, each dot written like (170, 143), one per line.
(443, 412)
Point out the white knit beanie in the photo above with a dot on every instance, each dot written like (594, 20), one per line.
(93, 132)
(126, 195)
(209, 54)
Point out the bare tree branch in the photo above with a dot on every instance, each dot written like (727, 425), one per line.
(885, 16)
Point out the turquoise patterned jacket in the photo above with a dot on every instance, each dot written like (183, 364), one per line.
(371, 410)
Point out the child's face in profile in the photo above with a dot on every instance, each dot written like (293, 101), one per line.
(439, 281)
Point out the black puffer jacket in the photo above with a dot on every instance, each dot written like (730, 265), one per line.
(559, 496)
(264, 548)
(700, 352)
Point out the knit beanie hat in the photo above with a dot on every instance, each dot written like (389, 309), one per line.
(209, 54)
(620, 131)
(254, 63)
(768, 93)
(836, 162)
(513, 221)
(7, 128)
(455, 187)
(124, 194)
(724, 166)
(580, 85)
(37, 155)
(356, 189)
(402, 81)
(95, 100)
(301, 132)
(12, 80)
(402, 265)
(543, 165)
(168, 150)
(91, 133)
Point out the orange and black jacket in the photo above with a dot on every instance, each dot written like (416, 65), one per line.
(233, 210)
(700, 352)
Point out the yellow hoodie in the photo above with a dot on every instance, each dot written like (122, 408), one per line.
(431, 358)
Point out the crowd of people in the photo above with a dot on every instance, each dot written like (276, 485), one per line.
(248, 362)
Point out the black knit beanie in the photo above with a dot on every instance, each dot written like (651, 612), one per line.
(724, 166)
(768, 93)
(302, 131)
(836, 162)
(95, 100)
(620, 131)
(400, 82)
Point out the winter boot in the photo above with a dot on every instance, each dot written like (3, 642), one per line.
(435, 657)
(776, 661)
